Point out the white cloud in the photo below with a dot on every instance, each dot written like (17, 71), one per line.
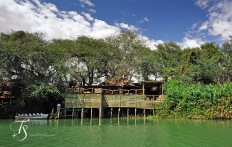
(191, 42)
(220, 19)
(145, 19)
(101, 28)
(87, 2)
(87, 16)
(34, 16)
(217, 25)
(202, 3)
(126, 26)
(204, 26)
(82, 5)
(151, 43)
(92, 10)
(194, 26)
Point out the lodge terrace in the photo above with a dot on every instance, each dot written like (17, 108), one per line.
(120, 99)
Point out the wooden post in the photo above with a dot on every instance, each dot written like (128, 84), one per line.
(118, 112)
(91, 121)
(100, 122)
(73, 112)
(111, 112)
(127, 112)
(58, 110)
(100, 113)
(100, 109)
(143, 89)
(135, 112)
(144, 113)
(153, 111)
(82, 113)
(81, 121)
(91, 113)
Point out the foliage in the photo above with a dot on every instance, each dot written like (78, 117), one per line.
(168, 59)
(42, 90)
(196, 101)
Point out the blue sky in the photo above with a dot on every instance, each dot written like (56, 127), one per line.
(187, 22)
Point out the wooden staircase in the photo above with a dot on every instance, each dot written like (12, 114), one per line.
(56, 115)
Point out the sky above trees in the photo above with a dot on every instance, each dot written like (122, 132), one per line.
(186, 22)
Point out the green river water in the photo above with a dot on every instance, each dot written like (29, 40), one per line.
(116, 133)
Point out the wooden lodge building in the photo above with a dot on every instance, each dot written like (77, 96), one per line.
(113, 99)
(118, 98)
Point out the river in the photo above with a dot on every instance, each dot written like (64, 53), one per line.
(115, 133)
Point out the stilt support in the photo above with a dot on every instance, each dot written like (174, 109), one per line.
(111, 112)
(91, 113)
(118, 112)
(135, 112)
(82, 113)
(127, 112)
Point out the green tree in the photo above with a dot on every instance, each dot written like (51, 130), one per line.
(227, 61)
(127, 55)
(202, 64)
(169, 59)
(89, 60)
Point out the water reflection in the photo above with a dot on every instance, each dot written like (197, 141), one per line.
(99, 122)
(122, 132)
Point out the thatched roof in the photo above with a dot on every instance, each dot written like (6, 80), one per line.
(120, 82)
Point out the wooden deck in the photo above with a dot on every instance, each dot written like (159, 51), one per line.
(109, 101)
(83, 102)
(113, 100)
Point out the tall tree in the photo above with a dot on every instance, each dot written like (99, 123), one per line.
(127, 55)
(89, 60)
(202, 64)
(227, 61)
(169, 59)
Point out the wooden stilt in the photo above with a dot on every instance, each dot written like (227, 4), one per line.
(100, 113)
(118, 112)
(82, 113)
(144, 113)
(111, 112)
(91, 113)
(127, 112)
(73, 112)
(135, 112)
(100, 122)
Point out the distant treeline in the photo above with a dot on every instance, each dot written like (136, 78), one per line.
(45, 66)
